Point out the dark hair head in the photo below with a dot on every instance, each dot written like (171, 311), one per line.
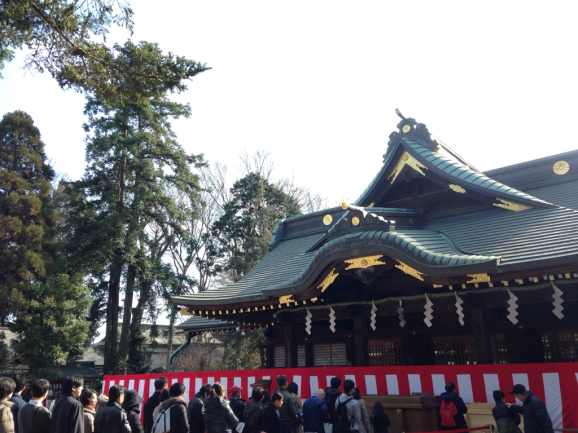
(115, 392)
(217, 390)
(356, 394)
(161, 383)
(266, 396)
(276, 396)
(7, 386)
(205, 389)
(257, 394)
(19, 384)
(39, 388)
(281, 380)
(176, 389)
(450, 387)
(348, 385)
(70, 383)
(335, 382)
(293, 388)
(498, 396)
(85, 396)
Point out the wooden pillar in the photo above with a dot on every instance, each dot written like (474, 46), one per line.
(360, 341)
(290, 346)
(483, 348)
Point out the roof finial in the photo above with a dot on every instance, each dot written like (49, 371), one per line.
(399, 113)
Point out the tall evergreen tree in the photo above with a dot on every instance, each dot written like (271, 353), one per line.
(54, 329)
(25, 185)
(134, 166)
(64, 38)
(245, 228)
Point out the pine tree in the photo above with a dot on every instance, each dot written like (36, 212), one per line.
(25, 185)
(245, 228)
(134, 166)
(54, 329)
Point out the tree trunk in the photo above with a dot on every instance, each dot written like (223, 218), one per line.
(170, 339)
(138, 311)
(111, 337)
(130, 279)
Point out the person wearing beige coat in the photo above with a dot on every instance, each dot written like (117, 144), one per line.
(89, 400)
(364, 414)
(7, 386)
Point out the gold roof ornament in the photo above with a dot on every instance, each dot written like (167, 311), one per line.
(406, 128)
(363, 262)
(355, 221)
(328, 280)
(510, 205)
(406, 159)
(344, 205)
(561, 168)
(371, 204)
(457, 188)
(185, 312)
(409, 270)
(327, 219)
(479, 278)
(285, 299)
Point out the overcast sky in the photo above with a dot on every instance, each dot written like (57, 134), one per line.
(316, 83)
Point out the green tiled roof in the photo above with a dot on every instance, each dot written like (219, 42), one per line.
(199, 324)
(518, 237)
(290, 265)
(564, 194)
(452, 170)
(461, 173)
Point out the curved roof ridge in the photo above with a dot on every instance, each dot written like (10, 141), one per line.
(464, 174)
(404, 244)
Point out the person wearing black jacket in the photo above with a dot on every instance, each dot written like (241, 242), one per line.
(271, 416)
(160, 384)
(536, 418)
(462, 409)
(331, 395)
(112, 418)
(254, 412)
(67, 412)
(287, 411)
(196, 410)
(177, 405)
(130, 405)
(17, 400)
(218, 415)
(237, 403)
(506, 419)
(379, 418)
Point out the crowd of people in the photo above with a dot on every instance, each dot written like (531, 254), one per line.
(79, 410)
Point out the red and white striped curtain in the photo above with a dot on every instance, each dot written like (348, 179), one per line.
(556, 383)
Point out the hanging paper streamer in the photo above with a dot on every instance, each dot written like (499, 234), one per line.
(460, 309)
(402, 321)
(428, 311)
(331, 319)
(557, 302)
(512, 308)
(373, 315)
(308, 322)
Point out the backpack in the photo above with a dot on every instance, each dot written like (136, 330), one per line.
(341, 422)
(447, 411)
(163, 422)
(331, 407)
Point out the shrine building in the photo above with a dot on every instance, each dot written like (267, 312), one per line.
(435, 263)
